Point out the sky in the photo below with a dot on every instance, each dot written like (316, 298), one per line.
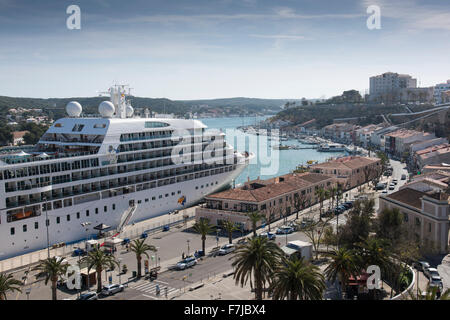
(204, 49)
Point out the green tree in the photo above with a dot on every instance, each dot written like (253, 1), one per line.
(229, 227)
(6, 136)
(8, 284)
(344, 264)
(99, 260)
(254, 217)
(203, 228)
(52, 269)
(256, 259)
(140, 248)
(359, 223)
(297, 279)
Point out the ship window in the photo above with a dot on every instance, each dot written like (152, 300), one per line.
(58, 125)
(146, 200)
(114, 206)
(179, 191)
(99, 125)
(13, 231)
(139, 201)
(196, 187)
(78, 127)
(167, 195)
(160, 196)
(96, 210)
(36, 225)
(105, 208)
(207, 184)
(57, 219)
(153, 124)
(173, 193)
(68, 217)
(78, 215)
(153, 198)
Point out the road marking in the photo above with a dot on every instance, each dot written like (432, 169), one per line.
(149, 296)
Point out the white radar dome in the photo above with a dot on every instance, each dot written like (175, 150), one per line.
(73, 109)
(106, 109)
(129, 111)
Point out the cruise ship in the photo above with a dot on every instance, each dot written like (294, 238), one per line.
(113, 169)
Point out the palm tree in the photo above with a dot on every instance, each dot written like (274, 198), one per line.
(230, 226)
(139, 247)
(430, 294)
(321, 193)
(99, 260)
(297, 279)
(8, 284)
(344, 264)
(254, 217)
(333, 192)
(203, 227)
(52, 269)
(256, 259)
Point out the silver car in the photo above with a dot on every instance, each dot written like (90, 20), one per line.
(226, 249)
(111, 289)
(186, 263)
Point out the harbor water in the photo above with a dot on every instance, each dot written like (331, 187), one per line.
(268, 162)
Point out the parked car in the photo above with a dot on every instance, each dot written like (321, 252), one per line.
(268, 235)
(186, 263)
(91, 295)
(349, 203)
(111, 289)
(338, 210)
(284, 230)
(403, 177)
(436, 281)
(78, 252)
(125, 241)
(144, 235)
(380, 186)
(166, 228)
(391, 187)
(421, 265)
(384, 191)
(430, 272)
(226, 249)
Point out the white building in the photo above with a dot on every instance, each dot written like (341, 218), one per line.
(439, 89)
(387, 86)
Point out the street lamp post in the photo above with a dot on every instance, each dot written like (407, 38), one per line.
(120, 272)
(84, 225)
(188, 247)
(28, 291)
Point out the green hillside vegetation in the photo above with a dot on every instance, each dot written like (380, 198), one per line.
(326, 113)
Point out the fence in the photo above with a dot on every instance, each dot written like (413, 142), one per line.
(14, 263)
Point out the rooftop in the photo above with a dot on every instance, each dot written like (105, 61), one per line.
(261, 190)
(351, 162)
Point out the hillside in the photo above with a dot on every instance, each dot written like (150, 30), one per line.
(55, 107)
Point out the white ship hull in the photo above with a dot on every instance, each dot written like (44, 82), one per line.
(72, 231)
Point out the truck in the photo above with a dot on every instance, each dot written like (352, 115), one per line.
(299, 249)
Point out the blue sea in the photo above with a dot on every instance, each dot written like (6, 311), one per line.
(268, 163)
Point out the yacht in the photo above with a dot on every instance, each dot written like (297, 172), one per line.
(113, 169)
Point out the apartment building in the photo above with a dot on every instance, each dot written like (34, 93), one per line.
(439, 92)
(386, 87)
(397, 142)
(364, 134)
(433, 155)
(340, 132)
(351, 171)
(274, 198)
(426, 215)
